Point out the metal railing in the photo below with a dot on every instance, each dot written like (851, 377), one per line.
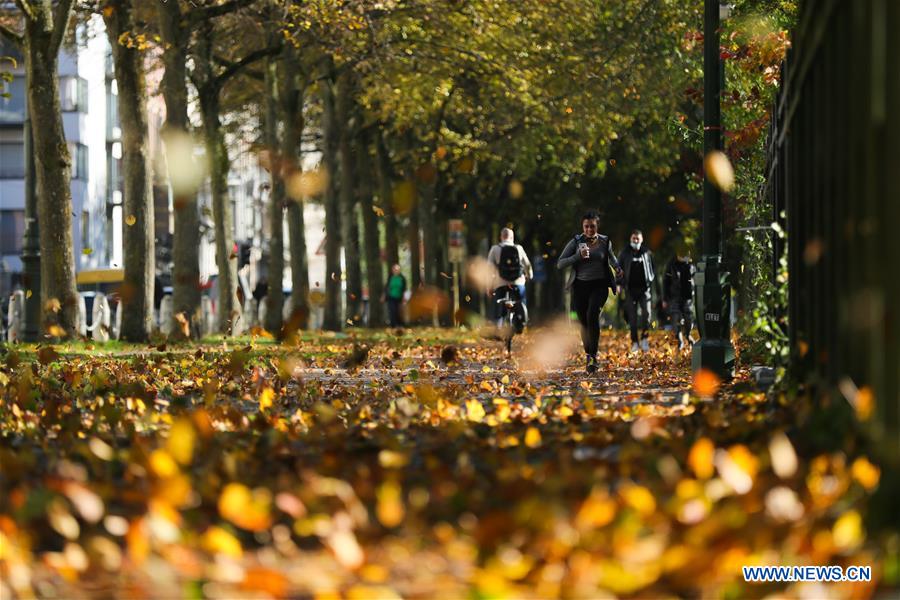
(834, 172)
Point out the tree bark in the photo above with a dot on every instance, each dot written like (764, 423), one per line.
(185, 249)
(275, 295)
(415, 255)
(375, 275)
(226, 260)
(333, 320)
(386, 193)
(349, 221)
(139, 246)
(43, 35)
(292, 92)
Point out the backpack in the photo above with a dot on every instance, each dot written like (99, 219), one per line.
(510, 267)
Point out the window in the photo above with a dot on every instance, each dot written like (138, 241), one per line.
(12, 108)
(114, 178)
(73, 94)
(12, 160)
(85, 229)
(12, 229)
(79, 154)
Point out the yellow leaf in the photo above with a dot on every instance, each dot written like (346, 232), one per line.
(865, 473)
(162, 464)
(181, 441)
(245, 509)
(87, 251)
(218, 541)
(848, 531)
(532, 437)
(379, 212)
(719, 170)
(474, 410)
(505, 380)
(390, 510)
(639, 498)
(706, 383)
(700, 458)
(597, 510)
(130, 220)
(265, 399)
(390, 459)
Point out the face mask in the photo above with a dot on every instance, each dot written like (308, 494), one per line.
(636, 245)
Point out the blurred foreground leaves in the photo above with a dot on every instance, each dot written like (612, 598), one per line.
(278, 471)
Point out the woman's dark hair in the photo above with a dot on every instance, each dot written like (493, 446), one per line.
(591, 214)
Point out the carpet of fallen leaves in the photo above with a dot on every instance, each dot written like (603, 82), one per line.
(423, 464)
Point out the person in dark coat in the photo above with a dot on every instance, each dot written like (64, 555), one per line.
(678, 296)
(639, 273)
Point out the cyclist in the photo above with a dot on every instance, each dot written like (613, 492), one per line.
(513, 270)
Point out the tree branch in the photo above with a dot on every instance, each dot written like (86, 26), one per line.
(12, 36)
(251, 58)
(211, 12)
(62, 16)
(26, 9)
(224, 62)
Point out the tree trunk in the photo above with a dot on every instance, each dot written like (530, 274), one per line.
(385, 180)
(275, 296)
(137, 290)
(349, 220)
(52, 170)
(375, 275)
(415, 255)
(333, 320)
(185, 247)
(292, 117)
(217, 154)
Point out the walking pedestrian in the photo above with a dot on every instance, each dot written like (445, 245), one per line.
(637, 266)
(678, 295)
(595, 271)
(394, 290)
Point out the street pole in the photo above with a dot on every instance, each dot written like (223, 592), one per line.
(714, 351)
(31, 248)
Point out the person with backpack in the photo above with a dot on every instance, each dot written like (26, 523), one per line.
(639, 273)
(513, 269)
(678, 295)
(595, 271)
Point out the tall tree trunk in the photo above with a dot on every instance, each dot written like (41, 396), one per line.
(375, 274)
(429, 232)
(275, 296)
(344, 104)
(385, 181)
(43, 35)
(226, 260)
(415, 255)
(291, 95)
(139, 255)
(333, 320)
(185, 249)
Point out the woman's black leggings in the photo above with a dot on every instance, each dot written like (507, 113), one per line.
(588, 298)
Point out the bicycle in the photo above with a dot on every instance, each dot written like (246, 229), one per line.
(513, 315)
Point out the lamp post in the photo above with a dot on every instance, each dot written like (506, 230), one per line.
(31, 248)
(714, 351)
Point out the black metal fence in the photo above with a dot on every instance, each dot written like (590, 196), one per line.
(834, 173)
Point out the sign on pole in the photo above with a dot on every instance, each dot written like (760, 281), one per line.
(456, 247)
